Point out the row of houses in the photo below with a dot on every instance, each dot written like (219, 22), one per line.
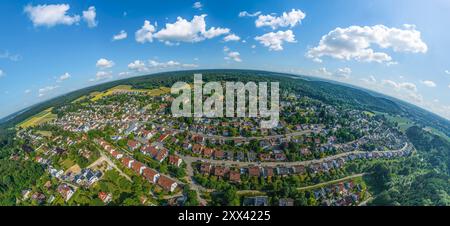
(234, 175)
(140, 168)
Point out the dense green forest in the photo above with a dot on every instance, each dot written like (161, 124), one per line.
(14, 175)
(422, 180)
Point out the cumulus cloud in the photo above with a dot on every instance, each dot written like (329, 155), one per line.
(102, 75)
(104, 63)
(247, 14)
(343, 72)
(141, 66)
(356, 42)
(189, 31)
(122, 35)
(89, 16)
(137, 65)
(197, 5)
(231, 37)
(64, 77)
(429, 83)
(406, 90)
(340, 73)
(403, 85)
(44, 91)
(145, 34)
(322, 72)
(275, 40)
(50, 15)
(231, 55)
(287, 19)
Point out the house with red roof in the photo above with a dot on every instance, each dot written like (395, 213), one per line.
(105, 197)
(175, 160)
(167, 183)
(151, 175)
(133, 145)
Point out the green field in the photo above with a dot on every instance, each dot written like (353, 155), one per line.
(127, 88)
(41, 118)
(436, 132)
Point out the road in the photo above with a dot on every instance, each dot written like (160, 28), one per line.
(194, 185)
(189, 160)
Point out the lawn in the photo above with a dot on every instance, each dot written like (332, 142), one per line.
(44, 133)
(67, 163)
(41, 118)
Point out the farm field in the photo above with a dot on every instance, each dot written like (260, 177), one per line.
(127, 88)
(43, 117)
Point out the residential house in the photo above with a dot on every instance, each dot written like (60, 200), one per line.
(151, 175)
(175, 160)
(66, 191)
(234, 176)
(105, 197)
(167, 183)
(254, 171)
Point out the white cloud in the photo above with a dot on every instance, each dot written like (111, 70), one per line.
(231, 37)
(247, 14)
(64, 77)
(429, 83)
(124, 74)
(370, 80)
(11, 57)
(343, 72)
(231, 55)
(447, 72)
(102, 75)
(322, 72)
(104, 63)
(122, 35)
(290, 19)
(89, 16)
(145, 34)
(27, 91)
(141, 66)
(449, 86)
(214, 32)
(189, 31)
(168, 64)
(50, 15)
(404, 85)
(404, 90)
(197, 5)
(2, 73)
(275, 40)
(355, 42)
(138, 66)
(44, 91)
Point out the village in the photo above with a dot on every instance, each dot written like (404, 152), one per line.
(134, 135)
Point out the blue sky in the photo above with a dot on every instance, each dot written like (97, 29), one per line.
(399, 48)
